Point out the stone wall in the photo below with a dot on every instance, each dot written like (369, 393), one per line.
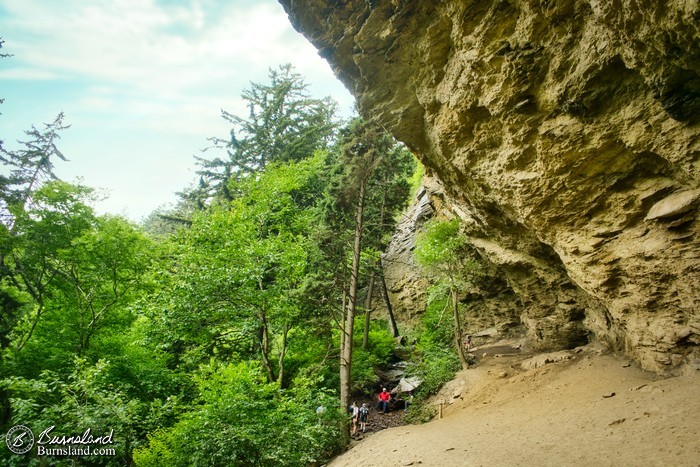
(566, 135)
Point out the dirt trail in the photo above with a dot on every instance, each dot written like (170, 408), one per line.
(588, 409)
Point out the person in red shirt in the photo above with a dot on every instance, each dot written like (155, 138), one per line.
(384, 398)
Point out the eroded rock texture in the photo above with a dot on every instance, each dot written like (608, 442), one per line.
(566, 135)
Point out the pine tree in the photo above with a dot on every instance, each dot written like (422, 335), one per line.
(30, 167)
(368, 189)
(284, 124)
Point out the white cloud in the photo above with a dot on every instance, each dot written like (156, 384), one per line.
(121, 67)
(153, 48)
(26, 73)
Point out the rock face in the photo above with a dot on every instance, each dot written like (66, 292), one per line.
(491, 302)
(406, 285)
(566, 135)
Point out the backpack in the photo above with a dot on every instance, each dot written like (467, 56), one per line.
(364, 410)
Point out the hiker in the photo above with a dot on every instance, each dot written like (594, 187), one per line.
(364, 411)
(384, 398)
(468, 343)
(355, 411)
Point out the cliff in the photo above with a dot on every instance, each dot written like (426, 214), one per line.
(565, 134)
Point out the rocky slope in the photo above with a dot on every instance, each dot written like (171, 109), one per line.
(565, 134)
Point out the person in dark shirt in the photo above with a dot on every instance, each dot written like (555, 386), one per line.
(364, 411)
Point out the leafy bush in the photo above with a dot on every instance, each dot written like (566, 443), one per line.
(438, 326)
(242, 420)
(85, 399)
(379, 352)
(436, 362)
(419, 413)
(380, 342)
(416, 180)
(437, 368)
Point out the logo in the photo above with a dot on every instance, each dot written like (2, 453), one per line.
(19, 439)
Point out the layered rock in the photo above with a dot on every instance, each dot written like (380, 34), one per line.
(406, 284)
(566, 136)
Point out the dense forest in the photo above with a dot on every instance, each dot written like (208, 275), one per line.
(213, 332)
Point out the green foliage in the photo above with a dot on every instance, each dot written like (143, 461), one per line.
(381, 342)
(416, 180)
(379, 352)
(140, 370)
(237, 275)
(67, 278)
(441, 249)
(363, 376)
(309, 354)
(367, 155)
(29, 168)
(207, 335)
(435, 367)
(84, 399)
(83, 272)
(436, 363)
(444, 252)
(438, 327)
(438, 244)
(164, 221)
(242, 420)
(366, 187)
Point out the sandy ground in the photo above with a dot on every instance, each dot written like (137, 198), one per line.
(591, 409)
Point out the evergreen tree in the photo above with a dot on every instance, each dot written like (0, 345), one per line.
(29, 167)
(368, 188)
(284, 124)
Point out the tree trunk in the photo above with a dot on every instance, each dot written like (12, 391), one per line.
(343, 318)
(283, 351)
(264, 336)
(368, 311)
(24, 339)
(458, 331)
(387, 303)
(37, 294)
(370, 288)
(346, 351)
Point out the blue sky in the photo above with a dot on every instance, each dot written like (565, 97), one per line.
(142, 84)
